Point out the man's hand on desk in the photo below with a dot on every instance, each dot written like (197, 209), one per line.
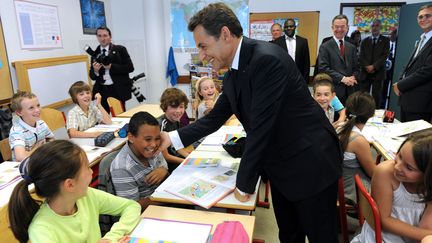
(165, 142)
(242, 197)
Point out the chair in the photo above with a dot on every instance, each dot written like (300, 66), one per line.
(53, 118)
(368, 210)
(5, 149)
(116, 107)
(343, 208)
(106, 184)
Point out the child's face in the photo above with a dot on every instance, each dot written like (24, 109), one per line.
(30, 110)
(84, 176)
(147, 140)
(207, 89)
(406, 169)
(323, 95)
(84, 98)
(175, 113)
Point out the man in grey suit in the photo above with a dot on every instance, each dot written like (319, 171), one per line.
(414, 87)
(374, 51)
(338, 58)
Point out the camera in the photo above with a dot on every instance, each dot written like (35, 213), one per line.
(100, 58)
(135, 90)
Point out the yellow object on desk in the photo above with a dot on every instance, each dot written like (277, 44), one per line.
(153, 109)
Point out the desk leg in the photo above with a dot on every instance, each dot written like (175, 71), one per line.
(265, 203)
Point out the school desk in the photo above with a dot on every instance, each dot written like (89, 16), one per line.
(153, 109)
(198, 216)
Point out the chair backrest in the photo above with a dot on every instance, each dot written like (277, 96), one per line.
(53, 118)
(368, 210)
(5, 149)
(115, 105)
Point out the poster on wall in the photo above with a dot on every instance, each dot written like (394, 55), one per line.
(260, 30)
(93, 15)
(38, 25)
(183, 10)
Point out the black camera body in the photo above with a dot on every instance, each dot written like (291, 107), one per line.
(100, 58)
(103, 59)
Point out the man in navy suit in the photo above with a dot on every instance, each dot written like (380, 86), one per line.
(414, 87)
(338, 58)
(374, 51)
(296, 46)
(288, 135)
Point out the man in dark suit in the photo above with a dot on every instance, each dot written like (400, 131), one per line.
(414, 87)
(338, 58)
(288, 135)
(374, 51)
(112, 80)
(296, 46)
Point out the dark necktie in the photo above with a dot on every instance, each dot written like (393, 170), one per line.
(342, 48)
(374, 40)
(104, 52)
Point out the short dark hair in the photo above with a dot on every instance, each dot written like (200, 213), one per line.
(173, 97)
(340, 16)
(139, 119)
(77, 88)
(215, 16)
(292, 20)
(104, 28)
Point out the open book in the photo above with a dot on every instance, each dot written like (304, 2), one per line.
(206, 186)
(169, 231)
(94, 152)
(405, 128)
(201, 162)
(9, 174)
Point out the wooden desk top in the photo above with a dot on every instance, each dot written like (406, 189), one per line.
(198, 216)
(153, 109)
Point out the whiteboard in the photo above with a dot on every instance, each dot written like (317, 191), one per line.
(51, 84)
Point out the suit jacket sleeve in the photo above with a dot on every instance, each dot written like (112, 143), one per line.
(125, 65)
(268, 79)
(324, 64)
(421, 76)
(207, 124)
(306, 64)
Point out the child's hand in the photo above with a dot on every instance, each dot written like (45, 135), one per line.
(156, 176)
(124, 239)
(98, 98)
(209, 104)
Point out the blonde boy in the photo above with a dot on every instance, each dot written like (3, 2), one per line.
(324, 94)
(29, 131)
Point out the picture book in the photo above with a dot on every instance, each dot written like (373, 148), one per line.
(201, 162)
(151, 230)
(9, 173)
(405, 128)
(205, 187)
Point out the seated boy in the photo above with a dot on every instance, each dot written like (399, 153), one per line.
(135, 171)
(29, 131)
(173, 102)
(324, 94)
(85, 114)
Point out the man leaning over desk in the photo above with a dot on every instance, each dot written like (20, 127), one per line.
(288, 135)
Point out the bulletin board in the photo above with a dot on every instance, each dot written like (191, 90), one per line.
(308, 24)
(6, 90)
(50, 78)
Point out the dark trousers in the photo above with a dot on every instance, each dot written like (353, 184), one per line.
(377, 85)
(109, 91)
(315, 217)
(411, 116)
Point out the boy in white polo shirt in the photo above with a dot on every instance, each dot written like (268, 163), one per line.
(29, 131)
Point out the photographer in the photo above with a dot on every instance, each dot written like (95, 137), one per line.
(110, 69)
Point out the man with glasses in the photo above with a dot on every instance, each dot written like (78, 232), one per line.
(414, 87)
(296, 46)
(338, 58)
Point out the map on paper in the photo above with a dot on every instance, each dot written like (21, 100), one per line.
(198, 189)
